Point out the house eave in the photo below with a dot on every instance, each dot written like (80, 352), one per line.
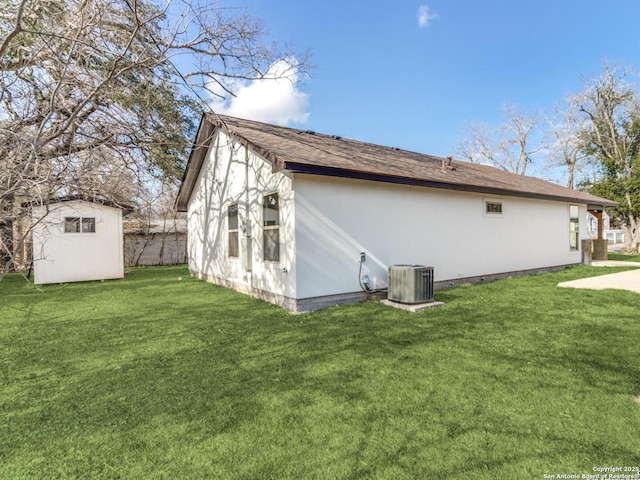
(196, 158)
(209, 124)
(293, 167)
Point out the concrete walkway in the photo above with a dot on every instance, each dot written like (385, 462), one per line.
(614, 263)
(629, 280)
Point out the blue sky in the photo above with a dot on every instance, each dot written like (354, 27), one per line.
(382, 77)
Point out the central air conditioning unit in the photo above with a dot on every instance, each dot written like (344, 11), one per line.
(410, 284)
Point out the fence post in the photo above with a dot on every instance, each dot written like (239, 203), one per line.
(587, 251)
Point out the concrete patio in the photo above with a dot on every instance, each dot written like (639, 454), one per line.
(629, 280)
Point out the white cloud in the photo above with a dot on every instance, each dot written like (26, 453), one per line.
(425, 16)
(272, 99)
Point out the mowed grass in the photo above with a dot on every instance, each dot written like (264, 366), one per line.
(165, 377)
(623, 257)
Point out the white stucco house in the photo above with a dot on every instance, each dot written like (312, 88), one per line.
(284, 215)
(76, 240)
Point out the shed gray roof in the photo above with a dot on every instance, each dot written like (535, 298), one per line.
(126, 209)
(303, 151)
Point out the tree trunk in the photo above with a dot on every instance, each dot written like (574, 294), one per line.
(21, 230)
(631, 235)
(571, 168)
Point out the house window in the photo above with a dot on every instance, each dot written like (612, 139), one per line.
(493, 207)
(271, 227)
(79, 225)
(574, 226)
(232, 222)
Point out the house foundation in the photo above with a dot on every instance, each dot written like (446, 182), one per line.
(306, 305)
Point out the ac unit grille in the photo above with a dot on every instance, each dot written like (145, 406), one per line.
(410, 283)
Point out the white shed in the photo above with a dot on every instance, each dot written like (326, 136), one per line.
(76, 240)
(284, 215)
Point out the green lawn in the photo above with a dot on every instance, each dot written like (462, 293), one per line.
(162, 376)
(624, 257)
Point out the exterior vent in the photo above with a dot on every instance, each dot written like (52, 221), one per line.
(410, 284)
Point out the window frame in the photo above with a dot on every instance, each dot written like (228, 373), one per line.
(89, 222)
(80, 223)
(71, 221)
(270, 228)
(492, 201)
(233, 231)
(574, 229)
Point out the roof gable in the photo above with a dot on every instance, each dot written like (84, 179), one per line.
(303, 151)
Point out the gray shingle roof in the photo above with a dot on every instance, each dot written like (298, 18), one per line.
(309, 152)
(126, 209)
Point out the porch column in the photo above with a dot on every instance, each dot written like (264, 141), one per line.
(598, 215)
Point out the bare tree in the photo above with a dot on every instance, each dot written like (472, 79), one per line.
(564, 147)
(610, 109)
(90, 95)
(510, 146)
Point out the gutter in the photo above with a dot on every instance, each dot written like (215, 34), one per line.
(359, 175)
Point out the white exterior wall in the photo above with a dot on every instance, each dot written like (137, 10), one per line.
(336, 219)
(225, 174)
(74, 257)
